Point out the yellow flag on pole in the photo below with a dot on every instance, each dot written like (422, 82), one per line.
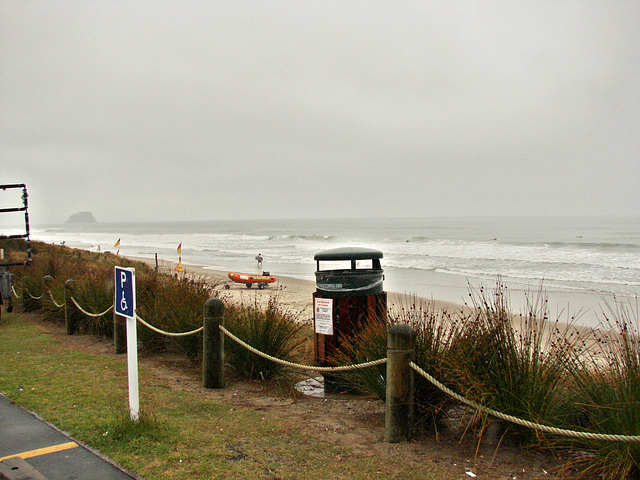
(179, 249)
(117, 244)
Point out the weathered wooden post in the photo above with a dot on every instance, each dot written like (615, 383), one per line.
(70, 310)
(47, 281)
(399, 414)
(24, 296)
(213, 344)
(119, 334)
(18, 290)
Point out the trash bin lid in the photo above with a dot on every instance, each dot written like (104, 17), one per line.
(348, 253)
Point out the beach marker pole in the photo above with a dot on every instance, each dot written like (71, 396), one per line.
(125, 306)
(132, 362)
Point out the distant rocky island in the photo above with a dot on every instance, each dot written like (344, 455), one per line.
(82, 217)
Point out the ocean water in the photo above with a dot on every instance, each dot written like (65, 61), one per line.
(579, 261)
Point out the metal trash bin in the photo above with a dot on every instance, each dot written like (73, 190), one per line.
(346, 300)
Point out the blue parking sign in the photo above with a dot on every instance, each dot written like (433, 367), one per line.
(125, 298)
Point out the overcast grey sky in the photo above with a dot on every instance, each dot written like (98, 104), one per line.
(152, 110)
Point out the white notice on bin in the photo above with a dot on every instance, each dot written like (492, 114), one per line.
(324, 315)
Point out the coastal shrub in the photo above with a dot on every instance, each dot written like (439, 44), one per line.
(164, 301)
(515, 364)
(52, 296)
(15, 250)
(607, 383)
(173, 305)
(31, 291)
(367, 345)
(31, 281)
(435, 332)
(61, 264)
(94, 293)
(46, 260)
(272, 330)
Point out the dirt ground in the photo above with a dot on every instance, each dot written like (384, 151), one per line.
(353, 421)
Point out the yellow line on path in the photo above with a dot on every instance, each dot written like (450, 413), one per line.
(42, 451)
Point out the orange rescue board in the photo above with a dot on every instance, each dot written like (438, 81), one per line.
(249, 279)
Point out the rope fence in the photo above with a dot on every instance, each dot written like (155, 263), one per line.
(519, 421)
(54, 300)
(344, 368)
(96, 315)
(89, 314)
(169, 334)
(448, 391)
(314, 368)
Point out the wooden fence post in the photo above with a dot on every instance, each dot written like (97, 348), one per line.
(46, 299)
(23, 296)
(70, 310)
(399, 411)
(213, 344)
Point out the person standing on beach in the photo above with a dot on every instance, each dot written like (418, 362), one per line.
(259, 259)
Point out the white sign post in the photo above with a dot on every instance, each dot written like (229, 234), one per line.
(125, 306)
(324, 315)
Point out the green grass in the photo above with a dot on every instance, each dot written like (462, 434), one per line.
(182, 434)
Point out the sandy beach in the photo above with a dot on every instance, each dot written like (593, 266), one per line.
(584, 309)
(451, 293)
(293, 294)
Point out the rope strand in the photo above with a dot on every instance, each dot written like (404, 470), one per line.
(297, 365)
(519, 421)
(54, 300)
(157, 330)
(15, 293)
(89, 313)
(35, 298)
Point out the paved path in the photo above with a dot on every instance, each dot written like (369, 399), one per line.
(50, 452)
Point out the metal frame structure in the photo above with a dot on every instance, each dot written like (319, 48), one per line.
(25, 209)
